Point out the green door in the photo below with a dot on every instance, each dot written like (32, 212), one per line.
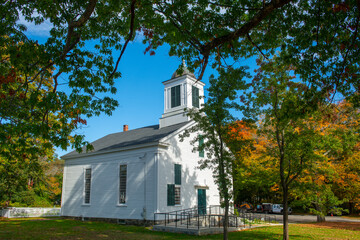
(202, 201)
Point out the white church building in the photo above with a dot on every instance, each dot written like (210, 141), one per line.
(133, 174)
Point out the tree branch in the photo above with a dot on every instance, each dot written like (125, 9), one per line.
(206, 60)
(70, 43)
(76, 24)
(130, 36)
(245, 29)
(193, 41)
(249, 38)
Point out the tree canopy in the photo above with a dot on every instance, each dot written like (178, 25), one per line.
(320, 39)
(211, 122)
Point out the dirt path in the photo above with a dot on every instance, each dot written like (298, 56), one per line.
(354, 226)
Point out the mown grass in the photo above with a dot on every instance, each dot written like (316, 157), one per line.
(71, 229)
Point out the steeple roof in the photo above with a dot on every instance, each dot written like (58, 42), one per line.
(182, 70)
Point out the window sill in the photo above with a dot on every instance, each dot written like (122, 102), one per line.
(86, 205)
(121, 205)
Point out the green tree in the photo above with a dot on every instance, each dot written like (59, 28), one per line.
(313, 190)
(31, 182)
(33, 119)
(198, 31)
(320, 39)
(332, 179)
(341, 132)
(31, 91)
(21, 179)
(211, 122)
(255, 178)
(53, 179)
(293, 140)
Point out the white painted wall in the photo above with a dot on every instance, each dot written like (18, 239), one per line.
(181, 153)
(148, 173)
(105, 185)
(177, 115)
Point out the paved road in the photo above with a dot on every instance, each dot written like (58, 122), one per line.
(307, 218)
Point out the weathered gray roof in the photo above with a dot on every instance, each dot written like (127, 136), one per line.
(184, 71)
(150, 134)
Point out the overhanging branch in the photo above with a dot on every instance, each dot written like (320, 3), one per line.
(130, 35)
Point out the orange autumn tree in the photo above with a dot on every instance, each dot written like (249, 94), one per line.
(346, 157)
(34, 118)
(283, 103)
(53, 172)
(333, 179)
(254, 172)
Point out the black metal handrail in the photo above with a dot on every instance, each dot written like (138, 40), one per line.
(212, 217)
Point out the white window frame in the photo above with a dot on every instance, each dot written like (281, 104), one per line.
(84, 189)
(126, 185)
(179, 202)
(178, 185)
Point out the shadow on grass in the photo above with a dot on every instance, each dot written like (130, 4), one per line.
(256, 235)
(62, 229)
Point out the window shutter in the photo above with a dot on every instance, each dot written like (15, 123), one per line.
(171, 194)
(177, 174)
(175, 96)
(201, 143)
(172, 97)
(195, 97)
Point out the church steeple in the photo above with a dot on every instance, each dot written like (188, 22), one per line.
(180, 92)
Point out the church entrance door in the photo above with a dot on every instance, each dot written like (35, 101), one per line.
(202, 201)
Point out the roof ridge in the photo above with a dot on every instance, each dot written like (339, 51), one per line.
(138, 136)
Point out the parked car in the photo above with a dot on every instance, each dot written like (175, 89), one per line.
(278, 208)
(264, 208)
(271, 208)
(267, 207)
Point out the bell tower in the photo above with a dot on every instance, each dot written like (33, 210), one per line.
(180, 92)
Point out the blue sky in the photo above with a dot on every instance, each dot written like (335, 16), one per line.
(140, 92)
(140, 89)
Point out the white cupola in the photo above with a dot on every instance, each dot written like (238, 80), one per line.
(182, 91)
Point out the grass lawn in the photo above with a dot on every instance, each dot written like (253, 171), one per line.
(72, 229)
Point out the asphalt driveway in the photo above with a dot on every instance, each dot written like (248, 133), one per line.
(307, 218)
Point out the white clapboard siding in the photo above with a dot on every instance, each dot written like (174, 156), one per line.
(149, 171)
(105, 185)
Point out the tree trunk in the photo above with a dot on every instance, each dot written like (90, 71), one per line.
(225, 193)
(320, 218)
(351, 207)
(224, 188)
(226, 220)
(285, 213)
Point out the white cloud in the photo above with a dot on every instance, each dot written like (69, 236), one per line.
(41, 30)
